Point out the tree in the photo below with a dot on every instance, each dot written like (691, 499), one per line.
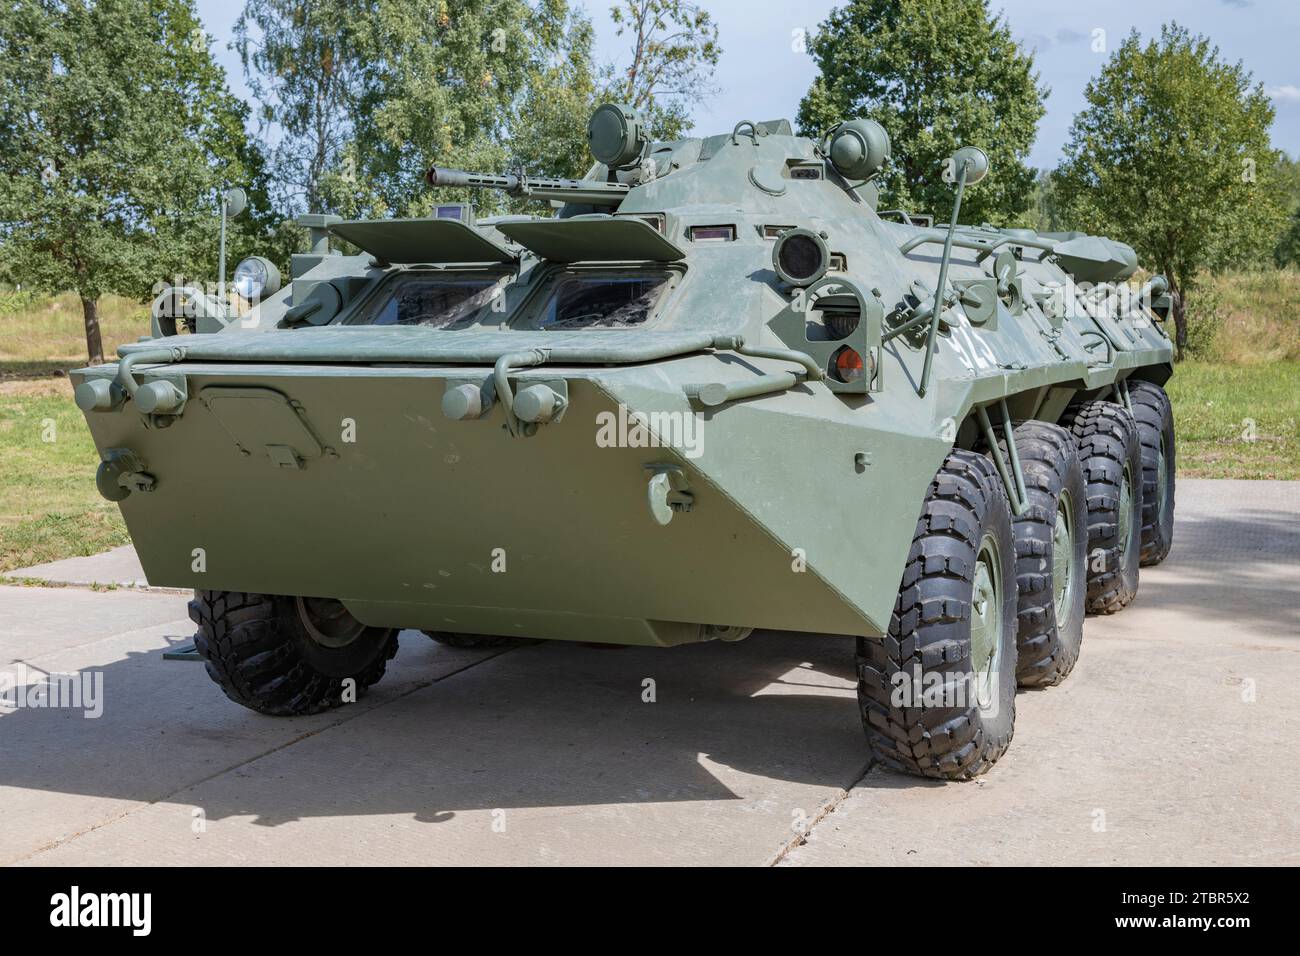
(936, 74)
(445, 82)
(674, 53)
(364, 96)
(1287, 251)
(300, 61)
(1172, 155)
(549, 135)
(1044, 211)
(116, 135)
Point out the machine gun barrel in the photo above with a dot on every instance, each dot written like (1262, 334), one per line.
(586, 191)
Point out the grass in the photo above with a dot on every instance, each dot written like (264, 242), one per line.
(1237, 421)
(42, 336)
(49, 508)
(1253, 317)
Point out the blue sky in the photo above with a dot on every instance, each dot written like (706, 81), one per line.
(761, 76)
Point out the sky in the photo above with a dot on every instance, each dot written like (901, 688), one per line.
(761, 75)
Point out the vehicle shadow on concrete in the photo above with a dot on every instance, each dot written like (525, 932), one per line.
(540, 725)
(1242, 568)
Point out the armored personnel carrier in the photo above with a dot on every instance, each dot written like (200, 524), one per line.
(713, 388)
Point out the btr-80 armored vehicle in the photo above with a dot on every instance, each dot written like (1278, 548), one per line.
(715, 389)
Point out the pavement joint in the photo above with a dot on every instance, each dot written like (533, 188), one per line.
(825, 810)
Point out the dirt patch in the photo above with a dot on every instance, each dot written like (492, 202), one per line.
(36, 387)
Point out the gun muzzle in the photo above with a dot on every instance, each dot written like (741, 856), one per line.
(459, 178)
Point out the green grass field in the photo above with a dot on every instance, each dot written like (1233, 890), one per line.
(49, 508)
(1237, 421)
(1236, 418)
(41, 336)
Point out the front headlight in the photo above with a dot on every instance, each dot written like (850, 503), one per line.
(256, 278)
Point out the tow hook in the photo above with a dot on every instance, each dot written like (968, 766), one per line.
(668, 492)
(122, 472)
(537, 402)
(160, 398)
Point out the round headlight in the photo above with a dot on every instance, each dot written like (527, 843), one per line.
(256, 278)
(800, 257)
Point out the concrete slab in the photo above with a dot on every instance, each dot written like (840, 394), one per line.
(545, 754)
(163, 725)
(120, 567)
(1171, 742)
(35, 621)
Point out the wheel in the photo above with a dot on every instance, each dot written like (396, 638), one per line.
(938, 692)
(287, 656)
(1155, 423)
(454, 639)
(1051, 554)
(1112, 468)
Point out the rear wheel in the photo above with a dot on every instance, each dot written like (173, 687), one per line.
(938, 692)
(286, 656)
(1111, 455)
(1155, 424)
(1051, 554)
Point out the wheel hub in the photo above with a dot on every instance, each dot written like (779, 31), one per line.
(1162, 482)
(1062, 558)
(328, 622)
(986, 620)
(1125, 519)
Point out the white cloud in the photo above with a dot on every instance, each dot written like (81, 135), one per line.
(1285, 92)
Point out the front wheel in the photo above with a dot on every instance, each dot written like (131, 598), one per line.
(287, 656)
(938, 692)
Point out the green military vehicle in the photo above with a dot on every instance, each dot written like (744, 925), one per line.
(714, 389)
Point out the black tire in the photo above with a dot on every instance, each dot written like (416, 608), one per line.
(1155, 423)
(1112, 468)
(259, 649)
(455, 639)
(963, 536)
(1052, 592)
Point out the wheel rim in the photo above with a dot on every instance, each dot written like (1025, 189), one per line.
(986, 620)
(1063, 557)
(328, 622)
(1162, 482)
(1125, 519)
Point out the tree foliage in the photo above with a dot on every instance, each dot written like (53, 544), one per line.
(362, 96)
(299, 58)
(549, 136)
(365, 95)
(117, 134)
(1287, 250)
(450, 85)
(1172, 155)
(673, 57)
(1044, 213)
(937, 74)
